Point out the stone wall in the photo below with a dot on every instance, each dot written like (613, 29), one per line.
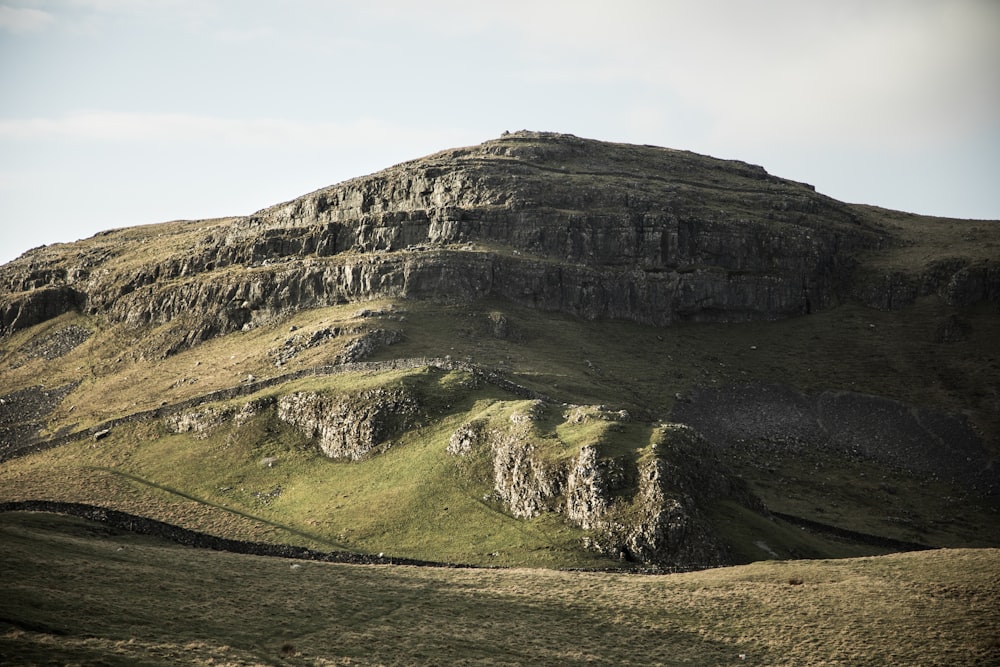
(192, 538)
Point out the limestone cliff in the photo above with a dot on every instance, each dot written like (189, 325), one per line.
(663, 521)
(565, 224)
(646, 506)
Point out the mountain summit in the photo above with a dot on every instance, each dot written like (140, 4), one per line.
(635, 352)
(552, 221)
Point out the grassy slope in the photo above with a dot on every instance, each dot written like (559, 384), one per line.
(413, 501)
(619, 364)
(643, 368)
(926, 239)
(75, 592)
(396, 502)
(622, 365)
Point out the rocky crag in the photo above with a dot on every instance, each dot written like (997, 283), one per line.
(589, 228)
(646, 508)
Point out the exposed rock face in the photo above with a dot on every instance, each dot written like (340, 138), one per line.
(648, 511)
(200, 423)
(350, 427)
(465, 438)
(366, 345)
(594, 229)
(557, 223)
(589, 484)
(662, 522)
(32, 306)
(525, 483)
(958, 282)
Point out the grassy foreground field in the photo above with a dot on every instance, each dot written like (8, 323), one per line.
(74, 592)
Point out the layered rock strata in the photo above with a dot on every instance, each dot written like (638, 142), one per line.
(589, 228)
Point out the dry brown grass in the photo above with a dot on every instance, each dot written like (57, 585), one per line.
(76, 593)
(927, 238)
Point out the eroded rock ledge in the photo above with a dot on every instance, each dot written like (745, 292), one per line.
(351, 427)
(594, 229)
(646, 508)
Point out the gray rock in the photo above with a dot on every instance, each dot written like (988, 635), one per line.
(351, 427)
(647, 511)
(778, 419)
(625, 232)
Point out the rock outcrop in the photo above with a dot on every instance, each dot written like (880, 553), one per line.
(548, 221)
(958, 281)
(647, 510)
(200, 423)
(526, 483)
(560, 223)
(662, 520)
(26, 308)
(350, 427)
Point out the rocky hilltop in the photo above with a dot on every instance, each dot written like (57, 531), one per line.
(529, 301)
(553, 221)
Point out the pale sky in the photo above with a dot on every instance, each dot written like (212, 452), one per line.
(123, 112)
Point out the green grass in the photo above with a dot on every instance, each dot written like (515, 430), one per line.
(642, 368)
(624, 365)
(751, 537)
(78, 593)
(414, 500)
(395, 503)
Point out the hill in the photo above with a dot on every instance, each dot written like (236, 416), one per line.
(542, 350)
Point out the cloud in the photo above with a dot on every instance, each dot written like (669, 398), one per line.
(884, 74)
(872, 78)
(121, 6)
(23, 19)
